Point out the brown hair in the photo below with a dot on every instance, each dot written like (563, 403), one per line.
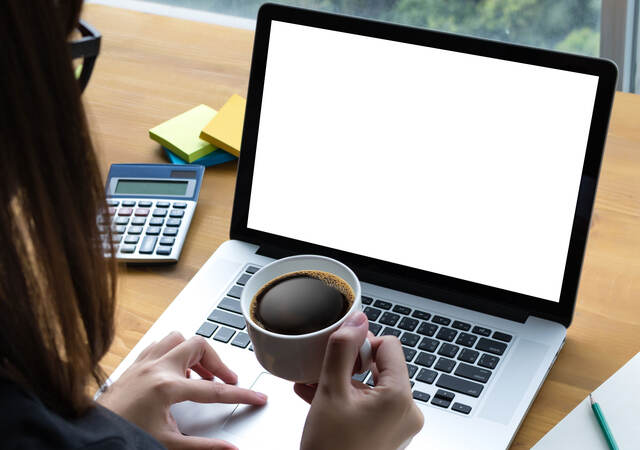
(56, 287)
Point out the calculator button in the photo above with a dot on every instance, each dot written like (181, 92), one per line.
(127, 248)
(135, 230)
(124, 212)
(162, 204)
(112, 211)
(159, 212)
(138, 220)
(122, 220)
(163, 251)
(116, 238)
(142, 212)
(128, 203)
(170, 232)
(167, 241)
(173, 222)
(119, 229)
(148, 244)
(177, 213)
(181, 205)
(153, 231)
(113, 202)
(144, 203)
(156, 221)
(131, 239)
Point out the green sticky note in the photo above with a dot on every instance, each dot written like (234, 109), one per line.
(181, 134)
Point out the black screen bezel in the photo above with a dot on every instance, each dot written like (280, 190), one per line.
(440, 287)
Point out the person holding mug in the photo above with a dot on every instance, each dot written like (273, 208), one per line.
(57, 290)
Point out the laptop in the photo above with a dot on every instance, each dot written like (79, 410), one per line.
(456, 176)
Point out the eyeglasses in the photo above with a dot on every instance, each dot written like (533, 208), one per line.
(87, 48)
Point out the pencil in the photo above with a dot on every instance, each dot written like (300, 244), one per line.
(603, 424)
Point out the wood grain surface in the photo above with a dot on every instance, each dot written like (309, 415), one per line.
(152, 68)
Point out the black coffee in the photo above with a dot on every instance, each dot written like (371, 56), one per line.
(301, 302)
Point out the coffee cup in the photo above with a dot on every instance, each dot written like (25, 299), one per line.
(298, 357)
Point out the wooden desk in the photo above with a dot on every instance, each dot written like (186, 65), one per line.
(152, 68)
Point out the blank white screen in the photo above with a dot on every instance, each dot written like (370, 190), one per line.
(457, 164)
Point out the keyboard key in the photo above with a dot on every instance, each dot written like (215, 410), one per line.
(144, 203)
(408, 324)
(382, 304)
(441, 320)
(148, 244)
(236, 291)
(127, 249)
(224, 335)
(488, 361)
(468, 355)
(128, 203)
(446, 334)
(207, 329)
(366, 300)
(228, 319)
(134, 230)
(445, 365)
(375, 328)
(466, 339)
(181, 205)
(176, 213)
(142, 212)
(243, 279)
(119, 229)
(360, 376)
(464, 409)
(170, 232)
(116, 238)
(125, 212)
(156, 221)
(402, 310)
(428, 344)
(173, 222)
(409, 339)
(426, 376)
(421, 315)
(389, 318)
(411, 369)
(131, 239)
(440, 402)
(445, 395)
(488, 345)
(166, 240)
(241, 340)
(159, 212)
(427, 329)
(162, 204)
(459, 385)
(502, 336)
(448, 350)
(472, 373)
(422, 396)
(252, 269)
(138, 220)
(230, 304)
(122, 220)
(113, 202)
(372, 313)
(461, 325)
(409, 353)
(425, 359)
(164, 251)
(370, 381)
(388, 331)
(481, 331)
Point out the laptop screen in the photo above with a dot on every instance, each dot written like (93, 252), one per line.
(453, 163)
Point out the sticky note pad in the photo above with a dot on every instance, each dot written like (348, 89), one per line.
(225, 128)
(212, 159)
(181, 134)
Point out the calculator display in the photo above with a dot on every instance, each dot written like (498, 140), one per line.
(148, 187)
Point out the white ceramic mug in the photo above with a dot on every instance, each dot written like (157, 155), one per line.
(298, 357)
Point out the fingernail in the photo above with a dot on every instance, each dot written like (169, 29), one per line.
(261, 396)
(355, 320)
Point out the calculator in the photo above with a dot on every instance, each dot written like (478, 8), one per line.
(150, 209)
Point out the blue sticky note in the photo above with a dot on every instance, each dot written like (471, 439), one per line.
(212, 159)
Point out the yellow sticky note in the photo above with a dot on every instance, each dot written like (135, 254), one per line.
(181, 134)
(225, 129)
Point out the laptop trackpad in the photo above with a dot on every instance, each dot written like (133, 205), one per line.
(277, 425)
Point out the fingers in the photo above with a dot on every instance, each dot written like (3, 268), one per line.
(166, 344)
(204, 391)
(196, 351)
(390, 368)
(204, 373)
(182, 442)
(305, 392)
(342, 352)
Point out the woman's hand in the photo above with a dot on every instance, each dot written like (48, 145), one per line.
(159, 378)
(349, 415)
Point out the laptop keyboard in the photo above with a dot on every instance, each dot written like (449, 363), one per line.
(450, 362)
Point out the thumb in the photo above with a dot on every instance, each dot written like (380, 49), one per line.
(184, 442)
(342, 352)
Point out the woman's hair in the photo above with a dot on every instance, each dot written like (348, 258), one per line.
(56, 287)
